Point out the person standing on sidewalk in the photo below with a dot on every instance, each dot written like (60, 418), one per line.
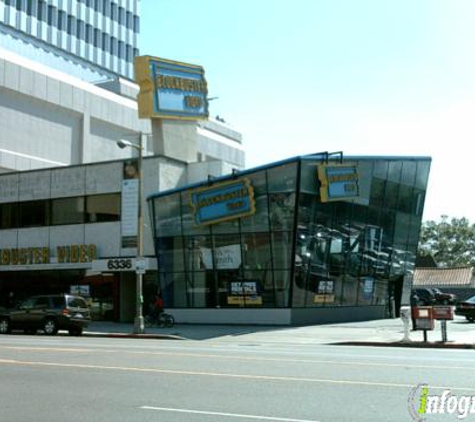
(414, 304)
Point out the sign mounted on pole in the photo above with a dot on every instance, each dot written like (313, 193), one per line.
(170, 89)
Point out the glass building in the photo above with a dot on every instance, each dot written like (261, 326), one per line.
(318, 238)
(90, 39)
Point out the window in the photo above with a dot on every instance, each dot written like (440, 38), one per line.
(114, 12)
(113, 46)
(34, 213)
(71, 25)
(8, 216)
(97, 37)
(67, 211)
(20, 5)
(107, 8)
(129, 53)
(121, 50)
(130, 20)
(42, 303)
(29, 7)
(80, 30)
(61, 20)
(100, 208)
(88, 34)
(41, 8)
(121, 15)
(136, 24)
(105, 42)
(51, 15)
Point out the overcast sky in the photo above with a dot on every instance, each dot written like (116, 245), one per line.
(364, 77)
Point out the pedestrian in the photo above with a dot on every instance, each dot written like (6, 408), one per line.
(415, 301)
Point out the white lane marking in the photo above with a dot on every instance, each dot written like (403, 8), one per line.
(226, 375)
(232, 415)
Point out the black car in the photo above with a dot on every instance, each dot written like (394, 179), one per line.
(466, 308)
(49, 313)
(433, 296)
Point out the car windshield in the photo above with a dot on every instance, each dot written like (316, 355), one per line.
(471, 300)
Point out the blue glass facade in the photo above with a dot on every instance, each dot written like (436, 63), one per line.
(296, 251)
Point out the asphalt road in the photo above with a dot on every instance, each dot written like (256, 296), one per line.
(89, 379)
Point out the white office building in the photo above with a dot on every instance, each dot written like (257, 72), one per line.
(66, 98)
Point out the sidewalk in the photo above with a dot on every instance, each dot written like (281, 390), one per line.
(387, 332)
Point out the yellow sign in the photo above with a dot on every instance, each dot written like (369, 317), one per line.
(170, 89)
(338, 181)
(245, 300)
(324, 299)
(42, 255)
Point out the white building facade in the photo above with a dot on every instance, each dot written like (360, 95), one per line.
(66, 98)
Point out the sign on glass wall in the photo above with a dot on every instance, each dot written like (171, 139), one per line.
(223, 201)
(244, 293)
(170, 89)
(337, 182)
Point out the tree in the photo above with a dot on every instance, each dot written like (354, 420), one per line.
(450, 242)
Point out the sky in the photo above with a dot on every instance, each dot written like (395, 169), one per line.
(365, 77)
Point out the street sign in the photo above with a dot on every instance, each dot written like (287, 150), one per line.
(140, 265)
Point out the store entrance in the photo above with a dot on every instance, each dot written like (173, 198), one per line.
(103, 296)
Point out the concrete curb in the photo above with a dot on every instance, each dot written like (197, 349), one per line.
(407, 344)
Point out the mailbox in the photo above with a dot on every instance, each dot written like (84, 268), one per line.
(423, 318)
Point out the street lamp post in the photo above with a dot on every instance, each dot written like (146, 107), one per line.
(138, 320)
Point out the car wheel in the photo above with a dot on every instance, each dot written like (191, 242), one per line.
(470, 319)
(5, 326)
(75, 331)
(50, 327)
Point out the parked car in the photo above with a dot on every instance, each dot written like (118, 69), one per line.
(444, 298)
(49, 313)
(466, 308)
(433, 296)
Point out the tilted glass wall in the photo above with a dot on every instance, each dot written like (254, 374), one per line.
(295, 250)
(357, 252)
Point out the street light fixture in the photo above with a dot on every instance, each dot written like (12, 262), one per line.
(139, 320)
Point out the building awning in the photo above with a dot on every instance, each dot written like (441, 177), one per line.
(457, 277)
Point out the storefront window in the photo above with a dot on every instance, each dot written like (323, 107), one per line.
(256, 251)
(167, 215)
(343, 253)
(282, 178)
(282, 249)
(259, 221)
(170, 252)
